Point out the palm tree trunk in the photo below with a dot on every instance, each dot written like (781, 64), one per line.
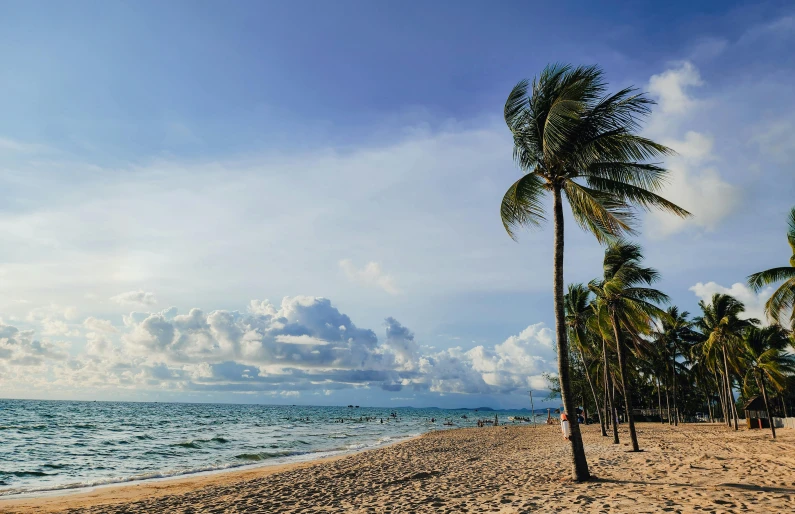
(760, 382)
(659, 399)
(667, 401)
(622, 369)
(709, 405)
(579, 463)
(721, 392)
(676, 405)
(609, 394)
(729, 388)
(783, 404)
(593, 391)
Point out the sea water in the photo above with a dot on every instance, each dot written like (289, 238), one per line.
(52, 445)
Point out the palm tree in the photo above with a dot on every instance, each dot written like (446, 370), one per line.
(598, 325)
(572, 138)
(783, 299)
(673, 332)
(630, 307)
(578, 312)
(722, 327)
(766, 361)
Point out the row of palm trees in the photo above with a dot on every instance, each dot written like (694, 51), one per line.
(620, 335)
(576, 141)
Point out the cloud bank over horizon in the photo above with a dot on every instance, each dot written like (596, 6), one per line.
(302, 346)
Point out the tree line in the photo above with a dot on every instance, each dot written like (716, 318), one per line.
(576, 141)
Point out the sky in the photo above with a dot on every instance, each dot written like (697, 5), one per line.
(297, 202)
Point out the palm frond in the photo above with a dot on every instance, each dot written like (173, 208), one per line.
(598, 213)
(521, 204)
(758, 280)
(636, 195)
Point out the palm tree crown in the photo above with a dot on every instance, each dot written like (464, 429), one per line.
(570, 136)
(783, 298)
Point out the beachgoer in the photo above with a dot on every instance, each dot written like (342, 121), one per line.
(564, 426)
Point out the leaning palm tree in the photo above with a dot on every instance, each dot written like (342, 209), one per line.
(572, 138)
(578, 312)
(766, 361)
(722, 327)
(782, 303)
(630, 302)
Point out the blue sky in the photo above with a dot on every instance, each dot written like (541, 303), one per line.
(199, 155)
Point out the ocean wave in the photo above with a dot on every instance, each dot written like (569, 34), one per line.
(257, 457)
(25, 473)
(115, 480)
(197, 443)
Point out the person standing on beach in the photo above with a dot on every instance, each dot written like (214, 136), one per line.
(564, 426)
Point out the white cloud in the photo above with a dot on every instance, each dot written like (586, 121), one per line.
(137, 298)
(695, 182)
(754, 302)
(302, 344)
(302, 339)
(371, 274)
(93, 324)
(670, 88)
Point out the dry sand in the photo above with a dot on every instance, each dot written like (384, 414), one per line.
(692, 468)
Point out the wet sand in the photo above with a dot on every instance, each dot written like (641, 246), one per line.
(691, 468)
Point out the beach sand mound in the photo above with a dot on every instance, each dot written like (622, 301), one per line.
(704, 468)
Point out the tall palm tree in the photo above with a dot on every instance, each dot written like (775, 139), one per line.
(723, 329)
(765, 361)
(578, 312)
(782, 302)
(673, 332)
(572, 138)
(630, 302)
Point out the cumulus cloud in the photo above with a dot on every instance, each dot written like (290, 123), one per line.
(18, 348)
(754, 302)
(371, 275)
(695, 181)
(302, 344)
(138, 298)
(670, 88)
(93, 324)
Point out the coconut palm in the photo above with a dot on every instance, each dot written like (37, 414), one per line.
(630, 304)
(578, 312)
(723, 329)
(673, 332)
(782, 303)
(599, 326)
(766, 361)
(573, 139)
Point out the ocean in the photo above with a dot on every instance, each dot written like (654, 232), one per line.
(58, 445)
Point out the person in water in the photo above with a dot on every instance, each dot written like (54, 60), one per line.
(564, 426)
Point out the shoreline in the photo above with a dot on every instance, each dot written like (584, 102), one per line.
(509, 469)
(198, 478)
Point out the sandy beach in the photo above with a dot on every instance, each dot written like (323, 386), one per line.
(704, 468)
